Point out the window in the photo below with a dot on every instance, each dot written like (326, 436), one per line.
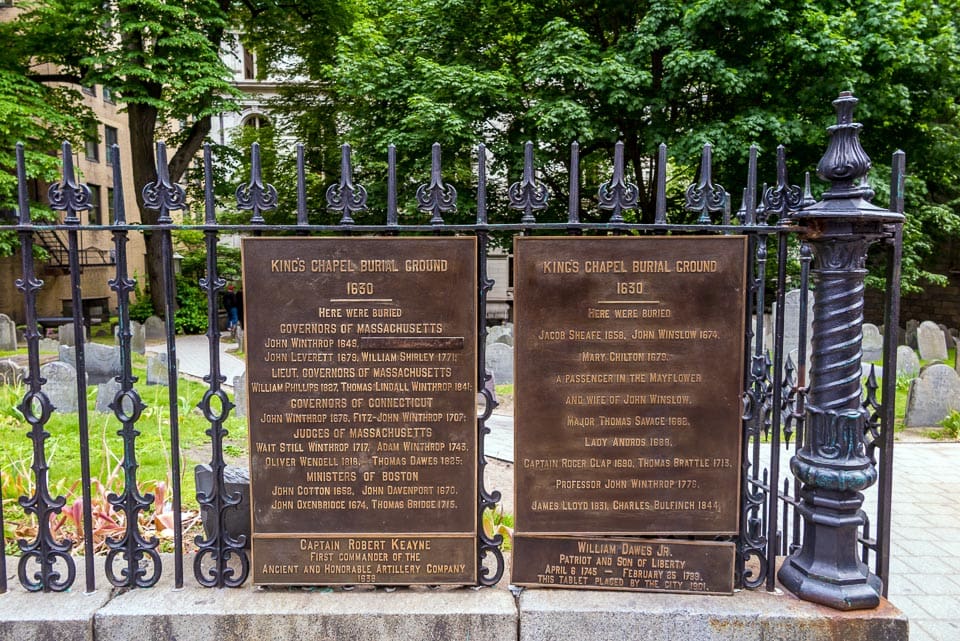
(110, 137)
(95, 217)
(256, 121)
(111, 214)
(90, 91)
(249, 65)
(108, 95)
(91, 144)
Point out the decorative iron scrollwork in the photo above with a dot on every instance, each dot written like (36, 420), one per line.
(528, 194)
(256, 196)
(437, 197)
(618, 194)
(704, 196)
(164, 196)
(69, 195)
(345, 197)
(784, 197)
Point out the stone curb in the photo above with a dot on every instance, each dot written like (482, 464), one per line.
(195, 613)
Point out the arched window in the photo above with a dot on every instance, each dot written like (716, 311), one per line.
(256, 121)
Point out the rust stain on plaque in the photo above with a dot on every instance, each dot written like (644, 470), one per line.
(361, 375)
(629, 365)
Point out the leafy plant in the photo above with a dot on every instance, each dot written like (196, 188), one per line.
(191, 314)
(950, 428)
(495, 522)
(142, 308)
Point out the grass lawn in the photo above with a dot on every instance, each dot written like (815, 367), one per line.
(106, 447)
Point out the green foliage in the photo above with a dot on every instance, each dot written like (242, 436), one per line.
(191, 314)
(729, 72)
(950, 428)
(141, 309)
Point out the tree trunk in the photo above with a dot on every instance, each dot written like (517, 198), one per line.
(142, 120)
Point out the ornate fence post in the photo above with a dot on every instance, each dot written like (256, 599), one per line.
(832, 463)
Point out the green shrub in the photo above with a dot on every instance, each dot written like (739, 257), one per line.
(191, 314)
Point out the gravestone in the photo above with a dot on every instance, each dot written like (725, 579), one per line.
(932, 396)
(10, 373)
(49, 345)
(157, 369)
(236, 521)
(872, 343)
(500, 362)
(67, 336)
(154, 328)
(930, 342)
(138, 337)
(61, 385)
(499, 334)
(907, 362)
(106, 392)
(240, 395)
(101, 362)
(791, 321)
(910, 334)
(8, 334)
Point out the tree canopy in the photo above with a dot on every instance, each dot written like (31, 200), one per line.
(728, 72)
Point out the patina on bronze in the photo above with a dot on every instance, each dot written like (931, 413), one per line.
(652, 565)
(629, 366)
(361, 374)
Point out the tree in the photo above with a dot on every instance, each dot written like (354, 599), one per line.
(729, 72)
(36, 114)
(161, 58)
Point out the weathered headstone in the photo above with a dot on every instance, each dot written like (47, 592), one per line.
(791, 320)
(67, 336)
(240, 395)
(872, 343)
(236, 521)
(157, 369)
(8, 334)
(495, 333)
(932, 396)
(61, 385)
(930, 342)
(154, 328)
(138, 337)
(907, 362)
(49, 345)
(910, 335)
(101, 362)
(10, 373)
(500, 362)
(106, 392)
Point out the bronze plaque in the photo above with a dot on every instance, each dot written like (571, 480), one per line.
(624, 564)
(629, 367)
(361, 377)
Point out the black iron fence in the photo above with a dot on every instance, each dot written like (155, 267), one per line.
(813, 407)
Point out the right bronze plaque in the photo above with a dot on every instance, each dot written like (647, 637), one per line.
(629, 369)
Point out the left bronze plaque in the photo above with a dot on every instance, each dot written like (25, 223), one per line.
(361, 379)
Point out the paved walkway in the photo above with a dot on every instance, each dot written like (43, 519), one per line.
(925, 555)
(193, 354)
